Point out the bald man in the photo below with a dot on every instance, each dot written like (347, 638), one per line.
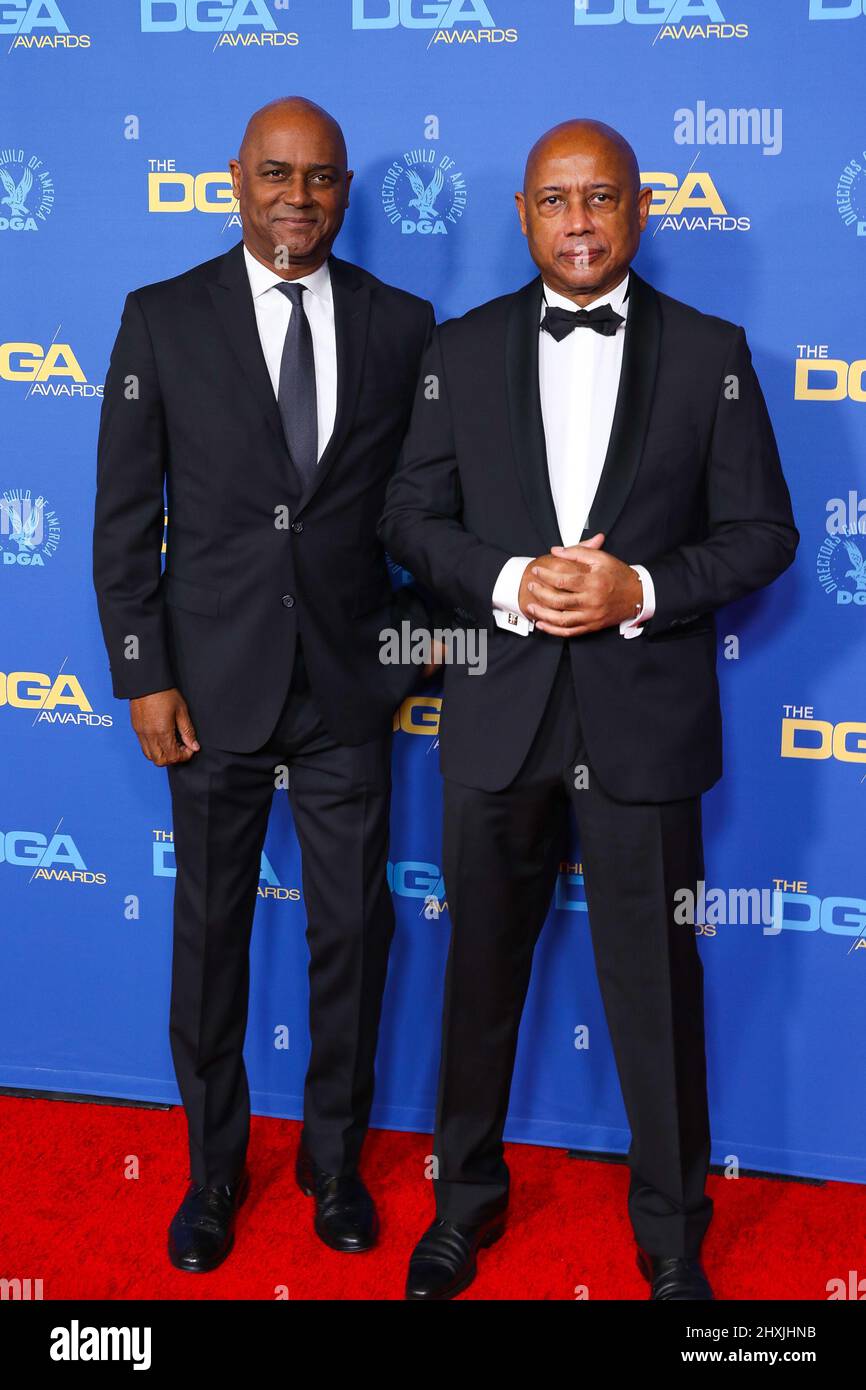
(267, 391)
(596, 475)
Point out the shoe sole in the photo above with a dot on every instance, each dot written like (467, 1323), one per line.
(490, 1239)
(208, 1269)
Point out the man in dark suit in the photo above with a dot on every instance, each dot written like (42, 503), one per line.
(269, 389)
(588, 484)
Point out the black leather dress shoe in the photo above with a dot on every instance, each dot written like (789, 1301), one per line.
(345, 1215)
(443, 1262)
(673, 1277)
(202, 1232)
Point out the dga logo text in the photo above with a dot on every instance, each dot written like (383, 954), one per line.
(270, 887)
(238, 23)
(170, 189)
(451, 20)
(804, 736)
(57, 699)
(694, 205)
(667, 16)
(40, 368)
(820, 377)
(38, 24)
(57, 859)
(836, 9)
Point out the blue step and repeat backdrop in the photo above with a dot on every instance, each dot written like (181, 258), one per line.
(117, 119)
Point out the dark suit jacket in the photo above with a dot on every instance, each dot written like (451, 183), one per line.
(221, 622)
(692, 488)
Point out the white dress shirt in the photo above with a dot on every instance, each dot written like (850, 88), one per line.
(578, 380)
(273, 311)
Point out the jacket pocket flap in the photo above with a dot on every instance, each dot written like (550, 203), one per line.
(195, 598)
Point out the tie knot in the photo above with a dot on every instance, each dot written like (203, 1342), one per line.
(292, 291)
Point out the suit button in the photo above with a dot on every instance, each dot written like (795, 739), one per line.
(288, 601)
(297, 527)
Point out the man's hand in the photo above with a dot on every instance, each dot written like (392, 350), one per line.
(578, 589)
(164, 727)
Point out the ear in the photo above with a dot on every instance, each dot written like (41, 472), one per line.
(235, 171)
(521, 211)
(644, 199)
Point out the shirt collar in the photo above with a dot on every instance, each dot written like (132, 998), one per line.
(261, 279)
(615, 298)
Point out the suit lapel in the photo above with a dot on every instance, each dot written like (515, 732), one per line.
(351, 318)
(633, 404)
(233, 303)
(524, 409)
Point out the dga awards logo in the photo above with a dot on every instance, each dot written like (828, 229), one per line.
(173, 190)
(29, 530)
(28, 192)
(851, 194)
(48, 371)
(236, 23)
(464, 22)
(673, 19)
(56, 860)
(59, 699)
(38, 24)
(270, 887)
(693, 204)
(424, 192)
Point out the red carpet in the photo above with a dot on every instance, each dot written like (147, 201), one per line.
(70, 1217)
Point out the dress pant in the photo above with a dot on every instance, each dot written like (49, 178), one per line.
(340, 803)
(501, 852)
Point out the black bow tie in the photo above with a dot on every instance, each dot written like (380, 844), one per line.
(559, 322)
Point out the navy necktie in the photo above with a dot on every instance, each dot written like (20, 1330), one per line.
(560, 322)
(297, 393)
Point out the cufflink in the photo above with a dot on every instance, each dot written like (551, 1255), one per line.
(512, 620)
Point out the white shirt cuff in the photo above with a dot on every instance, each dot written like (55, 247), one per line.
(633, 627)
(506, 592)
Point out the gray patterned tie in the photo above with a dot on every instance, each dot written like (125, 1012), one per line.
(297, 393)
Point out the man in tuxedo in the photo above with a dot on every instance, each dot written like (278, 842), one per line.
(591, 474)
(269, 389)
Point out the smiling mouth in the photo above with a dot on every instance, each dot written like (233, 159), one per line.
(585, 254)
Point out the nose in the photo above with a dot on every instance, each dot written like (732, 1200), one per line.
(578, 221)
(295, 192)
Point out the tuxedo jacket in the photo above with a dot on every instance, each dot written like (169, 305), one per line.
(253, 559)
(691, 487)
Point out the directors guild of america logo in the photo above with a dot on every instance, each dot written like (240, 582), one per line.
(27, 197)
(424, 192)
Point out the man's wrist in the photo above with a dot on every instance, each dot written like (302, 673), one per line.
(636, 606)
(507, 612)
